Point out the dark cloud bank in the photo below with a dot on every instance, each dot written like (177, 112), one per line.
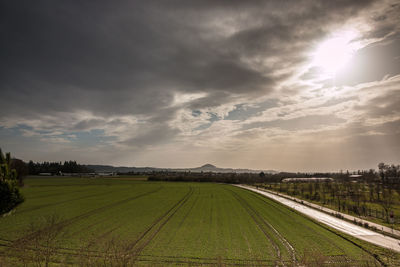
(128, 57)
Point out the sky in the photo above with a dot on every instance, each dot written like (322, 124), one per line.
(284, 85)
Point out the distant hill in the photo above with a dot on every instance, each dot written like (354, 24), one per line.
(204, 168)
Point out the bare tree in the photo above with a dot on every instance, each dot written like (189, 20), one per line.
(387, 201)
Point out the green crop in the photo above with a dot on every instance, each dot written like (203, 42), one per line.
(122, 222)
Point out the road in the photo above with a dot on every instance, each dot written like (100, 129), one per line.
(336, 223)
(348, 217)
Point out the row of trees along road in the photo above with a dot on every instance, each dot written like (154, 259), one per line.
(9, 191)
(369, 193)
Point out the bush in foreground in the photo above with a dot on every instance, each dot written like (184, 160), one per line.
(9, 192)
(9, 196)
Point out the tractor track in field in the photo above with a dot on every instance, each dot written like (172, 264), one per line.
(262, 198)
(64, 185)
(101, 237)
(158, 258)
(209, 262)
(258, 196)
(112, 205)
(37, 196)
(152, 259)
(147, 236)
(192, 261)
(183, 219)
(40, 194)
(158, 225)
(91, 225)
(67, 222)
(52, 195)
(373, 255)
(94, 253)
(84, 229)
(256, 219)
(283, 240)
(302, 224)
(187, 213)
(62, 202)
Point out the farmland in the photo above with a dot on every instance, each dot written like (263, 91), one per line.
(85, 221)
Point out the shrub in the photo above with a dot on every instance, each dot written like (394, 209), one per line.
(9, 196)
(9, 193)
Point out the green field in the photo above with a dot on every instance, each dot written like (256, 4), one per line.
(97, 221)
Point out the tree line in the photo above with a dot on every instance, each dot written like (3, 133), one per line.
(389, 173)
(234, 178)
(386, 175)
(56, 167)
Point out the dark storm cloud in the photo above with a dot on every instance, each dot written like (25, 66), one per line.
(214, 99)
(291, 28)
(88, 124)
(130, 56)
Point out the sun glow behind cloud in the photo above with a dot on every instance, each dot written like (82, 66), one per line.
(335, 53)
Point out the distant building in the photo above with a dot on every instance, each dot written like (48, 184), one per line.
(355, 176)
(91, 174)
(106, 173)
(45, 174)
(306, 179)
(77, 174)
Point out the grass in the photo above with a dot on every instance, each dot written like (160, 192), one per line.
(122, 222)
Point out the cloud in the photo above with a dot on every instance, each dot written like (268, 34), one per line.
(137, 77)
(373, 63)
(131, 57)
(243, 111)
